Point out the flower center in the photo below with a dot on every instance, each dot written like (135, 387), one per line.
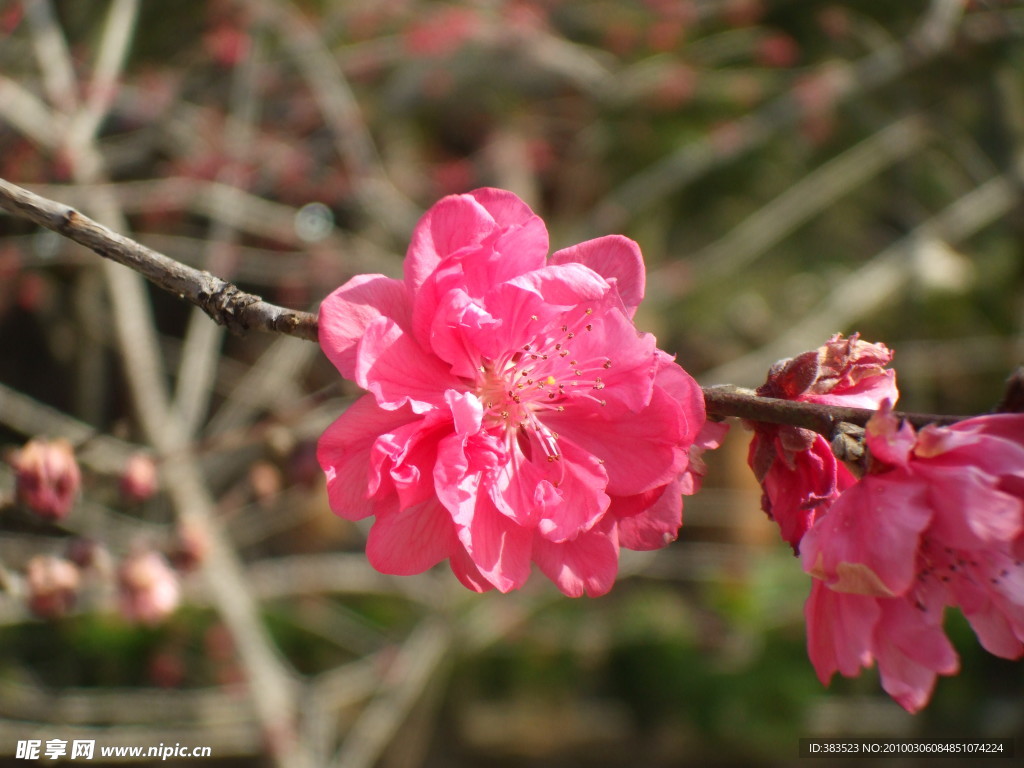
(542, 376)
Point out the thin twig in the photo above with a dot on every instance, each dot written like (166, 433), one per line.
(879, 280)
(189, 283)
(726, 400)
(842, 81)
(221, 300)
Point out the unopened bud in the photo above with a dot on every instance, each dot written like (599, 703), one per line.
(148, 587)
(139, 478)
(48, 477)
(52, 585)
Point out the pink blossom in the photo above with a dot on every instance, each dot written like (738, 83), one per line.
(514, 414)
(938, 520)
(796, 467)
(139, 479)
(48, 478)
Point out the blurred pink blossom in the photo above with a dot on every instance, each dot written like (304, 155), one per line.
(514, 414)
(937, 520)
(52, 584)
(138, 478)
(442, 31)
(798, 473)
(48, 478)
(148, 588)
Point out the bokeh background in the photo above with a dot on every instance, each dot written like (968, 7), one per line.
(790, 168)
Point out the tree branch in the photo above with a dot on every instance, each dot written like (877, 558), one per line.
(240, 311)
(227, 304)
(727, 400)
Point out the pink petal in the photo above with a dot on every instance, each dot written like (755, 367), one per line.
(344, 453)
(655, 527)
(499, 548)
(617, 259)
(466, 572)
(681, 387)
(993, 443)
(457, 326)
(632, 360)
(970, 511)
(408, 541)
(587, 565)
(385, 362)
(795, 496)
(839, 631)
(889, 440)
(869, 392)
(577, 499)
(505, 207)
(407, 455)
(347, 312)
(453, 223)
(565, 285)
(997, 633)
(639, 453)
(868, 541)
(711, 436)
(912, 650)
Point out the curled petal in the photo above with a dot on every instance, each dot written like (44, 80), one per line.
(452, 224)
(617, 259)
(344, 454)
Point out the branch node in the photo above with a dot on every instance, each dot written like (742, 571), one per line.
(226, 303)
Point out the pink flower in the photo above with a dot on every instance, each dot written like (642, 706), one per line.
(514, 414)
(48, 478)
(937, 520)
(796, 468)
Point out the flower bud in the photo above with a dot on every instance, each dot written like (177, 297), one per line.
(139, 478)
(148, 587)
(48, 477)
(52, 585)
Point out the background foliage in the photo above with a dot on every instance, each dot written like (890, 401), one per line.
(790, 169)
